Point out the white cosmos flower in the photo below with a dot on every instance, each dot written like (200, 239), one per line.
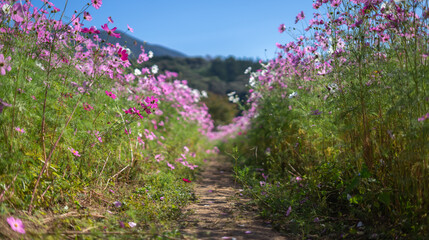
(204, 94)
(247, 70)
(294, 94)
(155, 69)
(252, 81)
(40, 66)
(6, 8)
(137, 72)
(231, 94)
(128, 51)
(150, 54)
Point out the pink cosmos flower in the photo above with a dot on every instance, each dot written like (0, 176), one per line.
(96, 3)
(87, 16)
(4, 64)
(300, 16)
(111, 32)
(20, 130)
(110, 94)
(87, 107)
(17, 12)
(282, 28)
(16, 224)
(76, 153)
(129, 28)
(170, 165)
(336, 3)
(424, 117)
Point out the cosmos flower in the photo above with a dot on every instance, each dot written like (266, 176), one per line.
(4, 64)
(97, 3)
(16, 224)
(76, 153)
(282, 28)
(300, 16)
(18, 12)
(87, 16)
(186, 180)
(129, 28)
(111, 32)
(110, 94)
(19, 130)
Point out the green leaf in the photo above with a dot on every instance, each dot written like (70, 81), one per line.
(364, 173)
(384, 197)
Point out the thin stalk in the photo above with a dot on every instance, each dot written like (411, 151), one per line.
(50, 156)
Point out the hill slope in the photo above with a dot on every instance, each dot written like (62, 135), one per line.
(134, 45)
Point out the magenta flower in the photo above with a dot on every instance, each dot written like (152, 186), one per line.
(110, 94)
(186, 180)
(123, 54)
(129, 28)
(96, 3)
(4, 64)
(16, 224)
(91, 30)
(111, 32)
(87, 107)
(76, 153)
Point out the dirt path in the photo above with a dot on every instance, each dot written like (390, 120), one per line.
(221, 211)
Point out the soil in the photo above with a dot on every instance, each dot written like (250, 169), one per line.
(221, 210)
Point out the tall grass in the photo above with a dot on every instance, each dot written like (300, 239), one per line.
(77, 121)
(343, 110)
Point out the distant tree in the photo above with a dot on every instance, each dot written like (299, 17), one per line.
(221, 110)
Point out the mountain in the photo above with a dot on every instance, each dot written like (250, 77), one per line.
(134, 45)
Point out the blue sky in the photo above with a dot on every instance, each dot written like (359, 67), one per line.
(241, 28)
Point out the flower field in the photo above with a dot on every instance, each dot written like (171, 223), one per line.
(332, 141)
